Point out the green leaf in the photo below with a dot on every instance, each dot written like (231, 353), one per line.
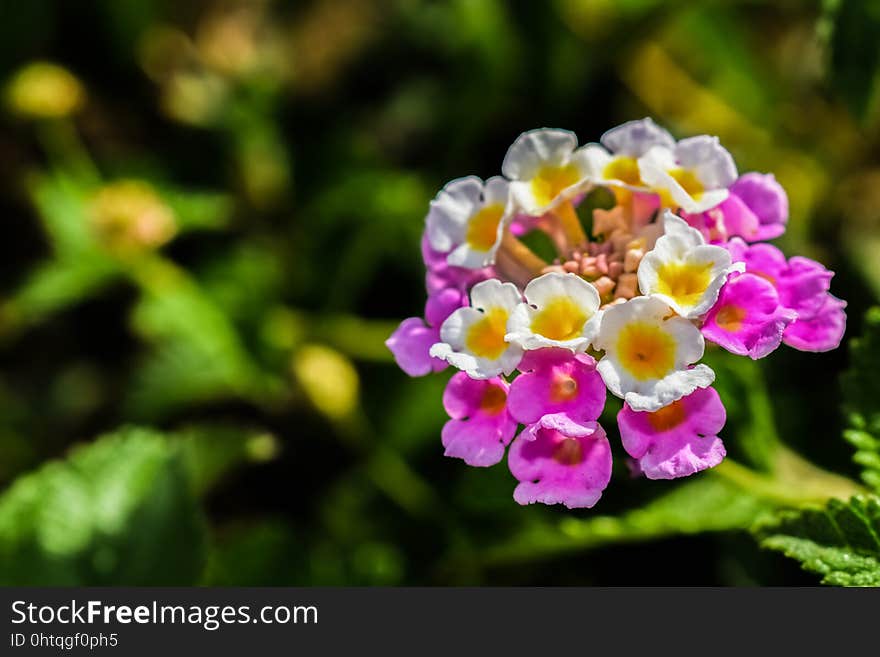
(840, 542)
(61, 206)
(861, 386)
(119, 511)
(705, 504)
(59, 284)
(198, 210)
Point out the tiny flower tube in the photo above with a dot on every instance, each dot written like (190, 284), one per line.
(615, 161)
(684, 271)
(466, 220)
(472, 338)
(693, 176)
(412, 341)
(556, 381)
(748, 319)
(678, 440)
(648, 353)
(481, 427)
(545, 168)
(560, 461)
(560, 310)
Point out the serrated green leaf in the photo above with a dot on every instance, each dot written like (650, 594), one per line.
(840, 542)
(119, 511)
(861, 387)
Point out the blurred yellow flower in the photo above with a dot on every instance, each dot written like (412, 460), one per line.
(328, 379)
(130, 216)
(42, 90)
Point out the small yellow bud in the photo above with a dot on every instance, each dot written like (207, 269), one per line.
(42, 90)
(328, 379)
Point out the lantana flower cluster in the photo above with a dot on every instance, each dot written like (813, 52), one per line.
(626, 306)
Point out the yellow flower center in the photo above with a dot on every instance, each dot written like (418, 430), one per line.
(550, 181)
(646, 351)
(688, 181)
(485, 338)
(564, 388)
(730, 318)
(668, 417)
(560, 319)
(623, 168)
(685, 282)
(494, 400)
(482, 229)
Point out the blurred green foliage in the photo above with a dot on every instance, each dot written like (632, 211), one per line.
(213, 212)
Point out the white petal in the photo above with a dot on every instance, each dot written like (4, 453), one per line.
(494, 293)
(712, 163)
(450, 210)
(553, 285)
(496, 190)
(535, 149)
(671, 388)
(634, 138)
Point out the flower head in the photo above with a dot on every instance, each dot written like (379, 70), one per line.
(694, 175)
(559, 461)
(676, 261)
(648, 353)
(553, 381)
(748, 319)
(545, 167)
(676, 440)
(684, 271)
(481, 426)
(467, 220)
(472, 338)
(561, 310)
(615, 161)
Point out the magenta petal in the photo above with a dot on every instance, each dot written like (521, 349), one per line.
(678, 440)
(747, 319)
(823, 332)
(555, 468)
(738, 219)
(480, 442)
(480, 427)
(410, 344)
(804, 286)
(440, 305)
(766, 198)
(557, 381)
